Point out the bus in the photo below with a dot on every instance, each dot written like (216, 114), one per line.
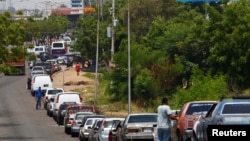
(58, 48)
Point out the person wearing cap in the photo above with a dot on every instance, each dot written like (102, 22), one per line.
(38, 96)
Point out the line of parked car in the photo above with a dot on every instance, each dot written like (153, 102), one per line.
(82, 120)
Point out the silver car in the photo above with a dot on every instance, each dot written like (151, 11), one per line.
(85, 129)
(228, 113)
(93, 131)
(106, 127)
(139, 126)
(76, 122)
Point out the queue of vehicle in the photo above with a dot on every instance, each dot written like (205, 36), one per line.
(195, 117)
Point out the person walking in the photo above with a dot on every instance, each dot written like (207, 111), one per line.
(38, 96)
(77, 67)
(164, 120)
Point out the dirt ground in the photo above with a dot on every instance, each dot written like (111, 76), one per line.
(72, 82)
(69, 81)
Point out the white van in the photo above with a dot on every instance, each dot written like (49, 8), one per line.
(63, 97)
(38, 49)
(43, 81)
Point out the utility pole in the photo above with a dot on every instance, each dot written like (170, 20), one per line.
(82, 7)
(113, 31)
(129, 61)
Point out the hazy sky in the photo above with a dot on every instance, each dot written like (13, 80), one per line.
(32, 4)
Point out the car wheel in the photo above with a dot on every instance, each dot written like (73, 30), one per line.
(67, 130)
(80, 137)
(45, 106)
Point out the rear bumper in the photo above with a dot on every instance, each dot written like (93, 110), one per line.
(139, 136)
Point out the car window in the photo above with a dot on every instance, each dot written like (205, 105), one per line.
(142, 118)
(63, 106)
(52, 92)
(210, 111)
(79, 116)
(236, 108)
(198, 108)
(108, 124)
(89, 122)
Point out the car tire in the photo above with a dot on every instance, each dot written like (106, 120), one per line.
(67, 130)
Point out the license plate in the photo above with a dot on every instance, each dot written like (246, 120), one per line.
(45, 85)
(147, 130)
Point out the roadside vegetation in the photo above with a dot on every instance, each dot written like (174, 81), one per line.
(181, 51)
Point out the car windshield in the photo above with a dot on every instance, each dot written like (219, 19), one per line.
(37, 72)
(142, 118)
(236, 108)
(53, 92)
(79, 116)
(198, 108)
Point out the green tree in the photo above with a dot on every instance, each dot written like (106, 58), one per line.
(230, 53)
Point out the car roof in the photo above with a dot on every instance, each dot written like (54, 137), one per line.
(84, 113)
(203, 101)
(134, 114)
(113, 118)
(54, 89)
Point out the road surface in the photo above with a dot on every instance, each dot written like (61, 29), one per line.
(19, 120)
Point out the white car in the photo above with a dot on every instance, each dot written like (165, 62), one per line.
(62, 59)
(49, 93)
(50, 106)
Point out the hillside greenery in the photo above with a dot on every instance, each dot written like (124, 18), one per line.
(183, 51)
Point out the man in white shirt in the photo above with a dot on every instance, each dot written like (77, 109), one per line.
(164, 121)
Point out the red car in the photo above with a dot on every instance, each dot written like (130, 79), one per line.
(188, 115)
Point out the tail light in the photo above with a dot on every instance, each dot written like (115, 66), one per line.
(189, 123)
(81, 99)
(133, 130)
(57, 100)
(110, 136)
(95, 131)
(46, 97)
(73, 123)
(67, 120)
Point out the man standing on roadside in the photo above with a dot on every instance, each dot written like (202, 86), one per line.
(164, 121)
(38, 96)
(77, 67)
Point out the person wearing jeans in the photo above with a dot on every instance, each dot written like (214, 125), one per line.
(38, 96)
(164, 121)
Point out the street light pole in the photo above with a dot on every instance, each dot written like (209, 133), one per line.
(129, 74)
(83, 7)
(97, 49)
(113, 31)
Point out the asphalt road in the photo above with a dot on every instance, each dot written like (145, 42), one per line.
(19, 120)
